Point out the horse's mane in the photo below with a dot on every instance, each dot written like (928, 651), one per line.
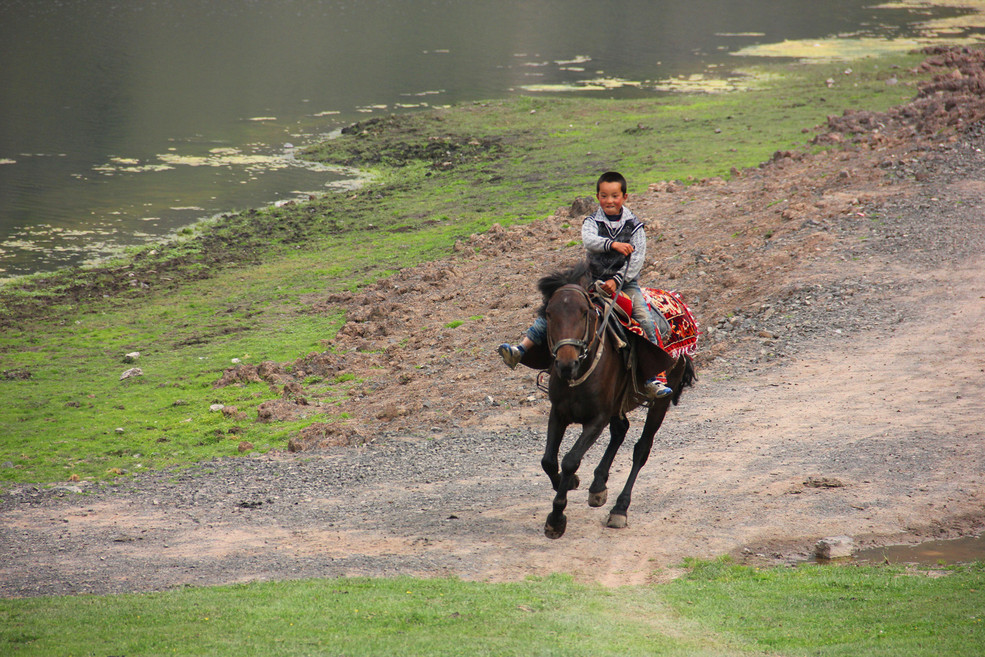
(577, 274)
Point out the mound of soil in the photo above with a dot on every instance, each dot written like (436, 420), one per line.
(840, 299)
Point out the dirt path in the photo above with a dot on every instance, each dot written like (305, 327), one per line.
(840, 392)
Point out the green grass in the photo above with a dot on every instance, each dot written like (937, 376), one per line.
(839, 611)
(243, 285)
(719, 609)
(92, 424)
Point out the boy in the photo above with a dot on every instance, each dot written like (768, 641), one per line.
(615, 240)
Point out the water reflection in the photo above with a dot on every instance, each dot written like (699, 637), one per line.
(106, 104)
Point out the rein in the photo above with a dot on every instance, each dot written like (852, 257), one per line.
(612, 302)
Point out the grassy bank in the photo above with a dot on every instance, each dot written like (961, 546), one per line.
(243, 286)
(719, 609)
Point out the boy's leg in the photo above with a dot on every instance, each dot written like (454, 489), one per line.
(661, 324)
(656, 387)
(537, 333)
(513, 354)
(641, 312)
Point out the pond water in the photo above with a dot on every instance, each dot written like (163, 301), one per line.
(123, 121)
(957, 550)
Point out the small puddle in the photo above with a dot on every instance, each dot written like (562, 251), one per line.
(957, 550)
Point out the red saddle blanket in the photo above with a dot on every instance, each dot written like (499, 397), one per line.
(683, 337)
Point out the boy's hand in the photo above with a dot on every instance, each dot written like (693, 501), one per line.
(610, 285)
(623, 248)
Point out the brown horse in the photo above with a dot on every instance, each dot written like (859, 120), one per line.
(589, 385)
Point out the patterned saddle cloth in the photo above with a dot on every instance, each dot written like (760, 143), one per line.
(682, 335)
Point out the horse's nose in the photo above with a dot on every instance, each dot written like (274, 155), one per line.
(566, 364)
(567, 368)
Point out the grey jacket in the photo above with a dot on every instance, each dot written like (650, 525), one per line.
(598, 233)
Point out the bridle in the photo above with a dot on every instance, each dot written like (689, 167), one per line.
(588, 339)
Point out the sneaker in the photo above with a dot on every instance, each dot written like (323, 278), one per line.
(656, 389)
(511, 355)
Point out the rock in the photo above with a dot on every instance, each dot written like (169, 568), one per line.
(294, 391)
(323, 434)
(391, 411)
(234, 413)
(215, 408)
(245, 446)
(280, 410)
(834, 547)
(132, 373)
(131, 357)
(240, 374)
(582, 206)
(817, 481)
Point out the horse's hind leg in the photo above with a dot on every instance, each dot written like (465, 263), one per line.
(641, 452)
(556, 520)
(597, 492)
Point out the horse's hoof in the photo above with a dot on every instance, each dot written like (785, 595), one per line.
(599, 498)
(616, 521)
(556, 530)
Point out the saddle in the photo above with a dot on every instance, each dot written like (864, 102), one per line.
(648, 359)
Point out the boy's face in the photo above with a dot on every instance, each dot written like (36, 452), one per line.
(611, 197)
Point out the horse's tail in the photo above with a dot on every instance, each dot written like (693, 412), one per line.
(687, 381)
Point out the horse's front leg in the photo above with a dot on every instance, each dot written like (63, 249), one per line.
(641, 453)
(597, 492)
(555, 433)
(556, 520)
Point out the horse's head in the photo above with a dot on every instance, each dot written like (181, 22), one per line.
(571, 322)
(567, 310)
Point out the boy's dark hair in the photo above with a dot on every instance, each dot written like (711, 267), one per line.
(611, 177)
